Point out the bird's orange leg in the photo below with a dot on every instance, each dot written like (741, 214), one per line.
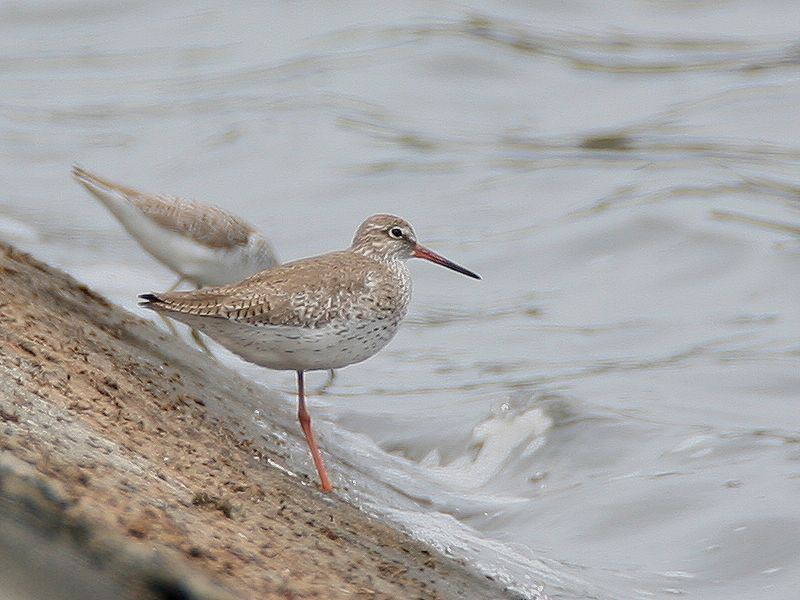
(305, 424)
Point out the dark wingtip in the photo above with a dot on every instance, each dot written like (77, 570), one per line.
(149, 300)
(78, 172)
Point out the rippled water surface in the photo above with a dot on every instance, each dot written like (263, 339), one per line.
(612, 412)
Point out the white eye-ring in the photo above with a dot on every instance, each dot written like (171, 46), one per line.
(396, 233)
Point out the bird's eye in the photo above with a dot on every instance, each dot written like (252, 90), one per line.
(396, 233)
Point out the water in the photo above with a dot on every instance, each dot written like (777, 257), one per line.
(612, 412)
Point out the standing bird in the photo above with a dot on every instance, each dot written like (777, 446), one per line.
(203, 244)
(324, 312)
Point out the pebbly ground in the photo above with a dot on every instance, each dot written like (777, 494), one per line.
(123, 476)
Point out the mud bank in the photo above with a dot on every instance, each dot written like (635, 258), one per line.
(123, 475)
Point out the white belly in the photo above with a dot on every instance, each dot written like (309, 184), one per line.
(296, 348)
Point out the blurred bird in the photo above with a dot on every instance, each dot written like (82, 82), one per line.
(204, 245)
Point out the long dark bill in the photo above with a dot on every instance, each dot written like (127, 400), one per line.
(422, 252)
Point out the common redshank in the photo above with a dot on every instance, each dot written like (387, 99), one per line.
(324, 312)
(203, 244)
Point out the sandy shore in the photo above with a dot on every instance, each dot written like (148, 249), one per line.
(122, 474)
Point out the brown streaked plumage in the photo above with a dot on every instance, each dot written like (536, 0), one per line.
(324, 312)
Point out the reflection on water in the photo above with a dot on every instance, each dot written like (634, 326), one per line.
(612, 411)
